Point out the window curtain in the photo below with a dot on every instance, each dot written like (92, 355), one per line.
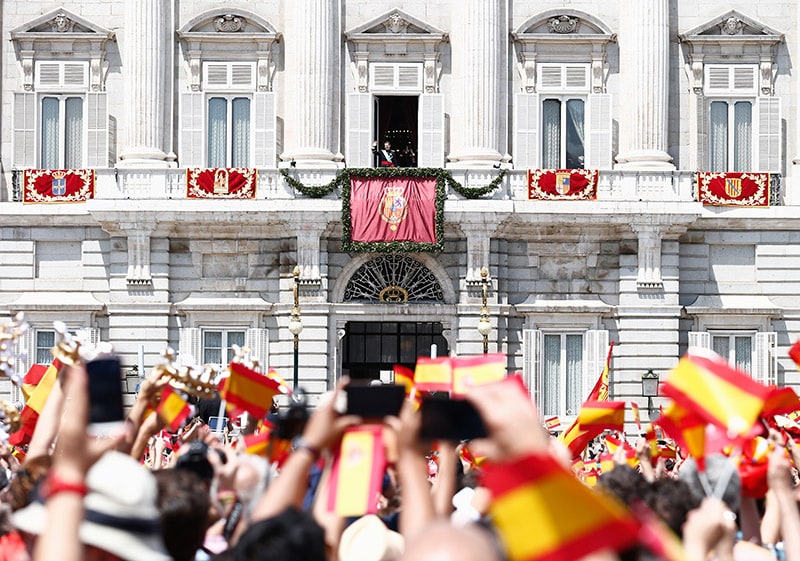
(742, 135)
(73, 133)
(743, 349)
(212, 347)
(551, 134)
(217, 132)
(718, 135)
(240, 137)
(550, 375)
(574, 374)
(49, 133)
(575, 134)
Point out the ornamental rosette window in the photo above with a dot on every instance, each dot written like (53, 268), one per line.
(393, 279)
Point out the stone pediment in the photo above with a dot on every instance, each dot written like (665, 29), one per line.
(395, 22)
(562, 23)
(224, 22)
(58, 23)
(733, 26)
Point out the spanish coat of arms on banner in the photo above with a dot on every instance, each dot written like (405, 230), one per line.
(58, 185)
(746, 189)
(562, 184)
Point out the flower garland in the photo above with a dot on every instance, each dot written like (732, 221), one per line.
(475, 192)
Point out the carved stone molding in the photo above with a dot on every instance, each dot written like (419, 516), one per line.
(649, 256)
(61, 23)
(139, 254)
(732, 26)
(396, 23)
(563, 24)
(229, 23)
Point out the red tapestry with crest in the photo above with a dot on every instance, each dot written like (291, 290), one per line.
(221, 183)
(388, 209)
(562, 184)
(733, 189)
(57, 185)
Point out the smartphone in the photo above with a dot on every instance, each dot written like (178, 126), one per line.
(217, 424)
(450, 419)
(106, 413)
(375, 401)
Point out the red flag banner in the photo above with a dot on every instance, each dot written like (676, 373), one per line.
(249, 390)
(357, 472)
(221, 183)
(393, 209)
(562, 184)
(58, 185)
(476, 371)
(733, 189)
(794, 353)
(434, 374)
(535, 496)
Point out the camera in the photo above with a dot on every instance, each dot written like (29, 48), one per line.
(291, 422)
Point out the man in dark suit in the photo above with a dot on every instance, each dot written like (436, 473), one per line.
(385, 158)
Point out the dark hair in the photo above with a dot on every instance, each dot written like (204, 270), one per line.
(625, 483)
(183, 505)
(292, 534)
(671, 500)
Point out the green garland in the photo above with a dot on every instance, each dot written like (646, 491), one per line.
(393, 247)
(319, 191)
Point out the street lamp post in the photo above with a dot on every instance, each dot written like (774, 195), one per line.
(484, 324)
(295, 326)
(650, 390)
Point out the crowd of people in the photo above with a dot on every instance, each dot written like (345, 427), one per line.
(148, 495)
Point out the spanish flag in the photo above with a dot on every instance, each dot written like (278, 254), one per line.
(543, 513)
(404, 377)
(249, 390)
(257, 444)
(40, 381)
(602, 415)
(476, 371)
(687, 429)
(706, 385)
(173, 409)
(613, 443)
(552, 423)
(794, 353)
(357, 472)
(780, 401)
(433, 374)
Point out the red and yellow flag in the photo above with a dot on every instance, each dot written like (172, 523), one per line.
(476, 371)
(357, 472)
(433, 374)
(404, 376)
(794, 353)
(535, 496)
(780, 401)
(602, 415)
(173, 409)
(687, 429)
(45, 378)
(249, 390)
(706, 385)
(552, 423)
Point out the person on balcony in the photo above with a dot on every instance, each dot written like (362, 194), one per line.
(386, 157)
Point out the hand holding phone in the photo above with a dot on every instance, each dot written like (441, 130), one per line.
(106, 413)
(374, 401)
(450, 419)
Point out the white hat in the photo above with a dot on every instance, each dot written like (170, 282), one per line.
(368, 539)
(121, 514)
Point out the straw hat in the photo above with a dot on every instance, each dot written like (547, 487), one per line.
(368, 539)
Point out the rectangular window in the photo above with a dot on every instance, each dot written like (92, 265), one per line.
(731, 135)
(44, 342)
(228, 132)
(62, 132)
(737, 348)
(562, 368)
(563, 145)
(218, 345)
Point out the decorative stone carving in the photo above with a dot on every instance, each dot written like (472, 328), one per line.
(229, 23)
(765, 68)
(697, 74)
(649, 275)
(562, 24)
(139, 255)
(732, 26)
(61, 23)
(395, 23)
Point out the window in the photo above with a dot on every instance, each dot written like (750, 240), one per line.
(562, 374)
(218, 345)
(228, 132)
(737, 348)
(562, 133)
(747, 350)
(731, 135)
(62, 132)
(44, 342)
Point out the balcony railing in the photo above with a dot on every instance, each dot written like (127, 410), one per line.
(613, 185)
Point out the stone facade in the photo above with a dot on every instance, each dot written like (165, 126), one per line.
(644, 265)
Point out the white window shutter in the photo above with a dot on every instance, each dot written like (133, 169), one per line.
(766, 359)
(731, 79)
(48, 75)
(24, 130)
(526, 131)
(264, 130)
(595, 351)
(381, 76)
(576, 77)
(192, 130)
(358, 152)
(395, 77)
(598, 146)
(718, 79)
(52, 75)
(531, 361)
(431, 137)
(257, 340)
(97, 130)
(75, 75)
(25, 352)
(769, 134)
(550, 77)
(701, 339)
(190, 344)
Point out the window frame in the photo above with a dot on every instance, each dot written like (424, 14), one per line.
(731, 101)
(62, 98)
(732, 335)
(229, 97)
(563, 99)
(225, 349)
(563, 409)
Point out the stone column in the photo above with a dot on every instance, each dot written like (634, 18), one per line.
(644, 79)
(147, 56)
(312, 101)
(479, 46)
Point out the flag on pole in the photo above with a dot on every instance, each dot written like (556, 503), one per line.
(476, 371)
(637, 417)
(687, 429)
(552, 423)
(29, 416)
(173, 409)
(706, 385)
(249, 390)
(602, 415)
(535, 497)
(357, 472)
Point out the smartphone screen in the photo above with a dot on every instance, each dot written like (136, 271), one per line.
(106, 412)
(450, 419)
(375, 401)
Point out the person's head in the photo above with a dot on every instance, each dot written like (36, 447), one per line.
(368, 539)
(720, 471)
(183, 505)
(441, 541)
(292, 534)
(387, 145)
(251, 480)
(121, 518)
(625, 483)
(672, 500)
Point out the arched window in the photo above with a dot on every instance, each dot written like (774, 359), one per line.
(393, 278)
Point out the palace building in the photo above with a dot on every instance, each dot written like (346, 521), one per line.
(620, 170)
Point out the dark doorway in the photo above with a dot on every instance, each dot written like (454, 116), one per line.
(396, 121)
(371, 349)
